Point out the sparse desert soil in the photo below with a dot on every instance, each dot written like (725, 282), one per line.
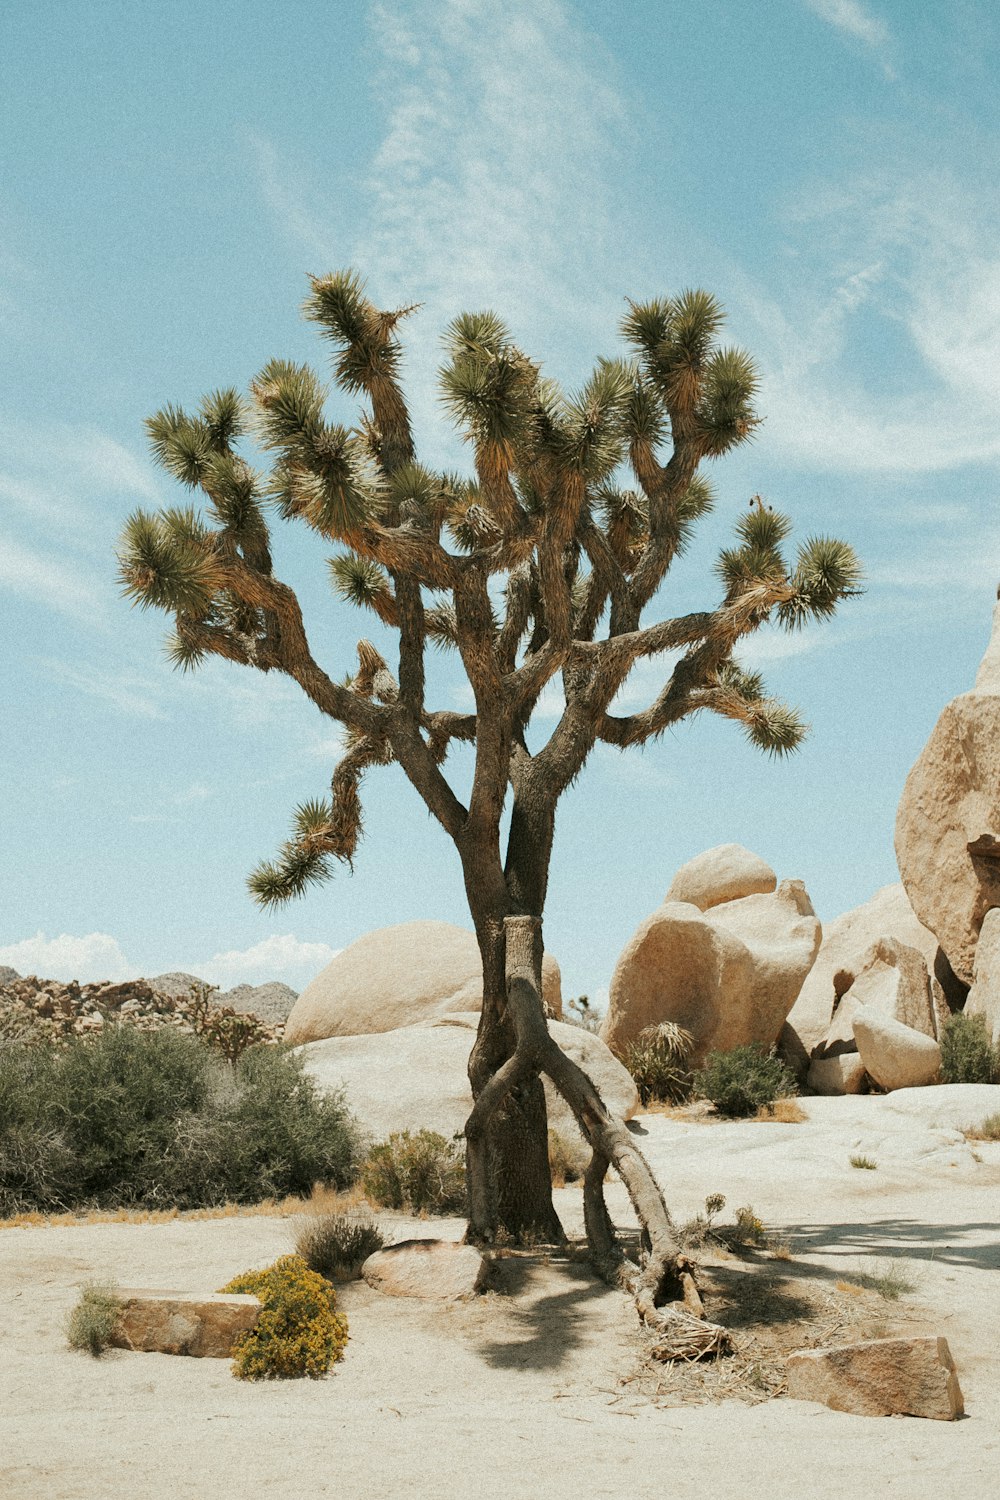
(542, 1387)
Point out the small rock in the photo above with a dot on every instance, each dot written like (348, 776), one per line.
(206, 1326)
(894, 981)
(882, 1378)
(722, 874)
(843, 1073)
(442, 1269)
(896, 1056)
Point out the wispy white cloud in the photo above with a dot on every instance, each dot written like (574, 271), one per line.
(74, 460)
(125, 691)
(853, 20)
(90, 958)
(189, 796)
(282, 957)
(67, 586)
(492, 185)
(910, 257)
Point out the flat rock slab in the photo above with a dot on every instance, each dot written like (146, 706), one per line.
(440, 1269)
(205, 1325)
(881, 1378)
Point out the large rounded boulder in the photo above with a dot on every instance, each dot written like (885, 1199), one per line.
(727, 974)
(948, 821)
(415, 1078)
(400, 976)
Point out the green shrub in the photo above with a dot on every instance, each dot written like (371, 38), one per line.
(337, 1245)
(966, 1053)
(299, 1331)
(657, 1060)
(422, 1173)
(864, 1163)
(742, 1081)
(92, 1321)
(156, 1119)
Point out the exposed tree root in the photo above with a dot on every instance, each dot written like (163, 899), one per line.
(664, 1286)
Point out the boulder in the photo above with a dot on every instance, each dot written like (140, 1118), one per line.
(896, 1056)
(882, 1378)
(399, 976)
(841, 1073)
(984, 997)
(442, 1269)
(415, 1078)
(894, 982)
(948, 821)
(727, 975)
(846, 943)
(205, 1325)
(725, 873)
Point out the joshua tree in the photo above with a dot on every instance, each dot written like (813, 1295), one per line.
(538, 567)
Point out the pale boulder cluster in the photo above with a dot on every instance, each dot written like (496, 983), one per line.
(392, 1019)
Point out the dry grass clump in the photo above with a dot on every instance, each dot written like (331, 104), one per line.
(337, 1245)
(568, 1158)
(768, 1314)
(658, 1061)
(92, 1322)
(989, 1130)
(783, 1112)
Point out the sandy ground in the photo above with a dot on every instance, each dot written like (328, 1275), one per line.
(530, 1391)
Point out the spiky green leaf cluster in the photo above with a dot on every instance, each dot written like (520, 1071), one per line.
(590, 436)
(758, 558)
(362, 583)
(368, 348)
(164, 562)
(826, 571)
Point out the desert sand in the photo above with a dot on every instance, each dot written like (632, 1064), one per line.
(533, 1390)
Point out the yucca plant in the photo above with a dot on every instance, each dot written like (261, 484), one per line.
(537, 566)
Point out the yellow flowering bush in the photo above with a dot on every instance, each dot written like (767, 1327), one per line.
(299, 1332)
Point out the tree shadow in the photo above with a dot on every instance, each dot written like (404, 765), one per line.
(948, 1244)
(546, 1329)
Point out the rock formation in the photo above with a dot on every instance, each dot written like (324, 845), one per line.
(415, 1077)
(400, 976)
(722, 874)
(984, 997)
(846, 944)
(727, 972)
(948, 822)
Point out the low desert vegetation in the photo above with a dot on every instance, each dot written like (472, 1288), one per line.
(967, 1055)
(158, 1120)
(337, 1245)
(299, 1332)
(864, 1163)
(658, 1061)
(989, 1130)
(91, 1324)
(420, 1172)
(744, 1080)
(580, 1012)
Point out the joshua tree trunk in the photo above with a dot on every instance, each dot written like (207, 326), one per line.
(667, 1274)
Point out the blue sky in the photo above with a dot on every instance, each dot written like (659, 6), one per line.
(169, 176)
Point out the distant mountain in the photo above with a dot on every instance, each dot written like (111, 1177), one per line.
(272, 1001)
(8, 974)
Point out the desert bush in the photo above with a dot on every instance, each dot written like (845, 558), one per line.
(422, 1173)
(568, 1158)
(337, 1245)
(155, 1119)
(92, 1321)
(744, 1080)
(299, 1331)
(657, 1060)
(864, 1163)
(967, 1055)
